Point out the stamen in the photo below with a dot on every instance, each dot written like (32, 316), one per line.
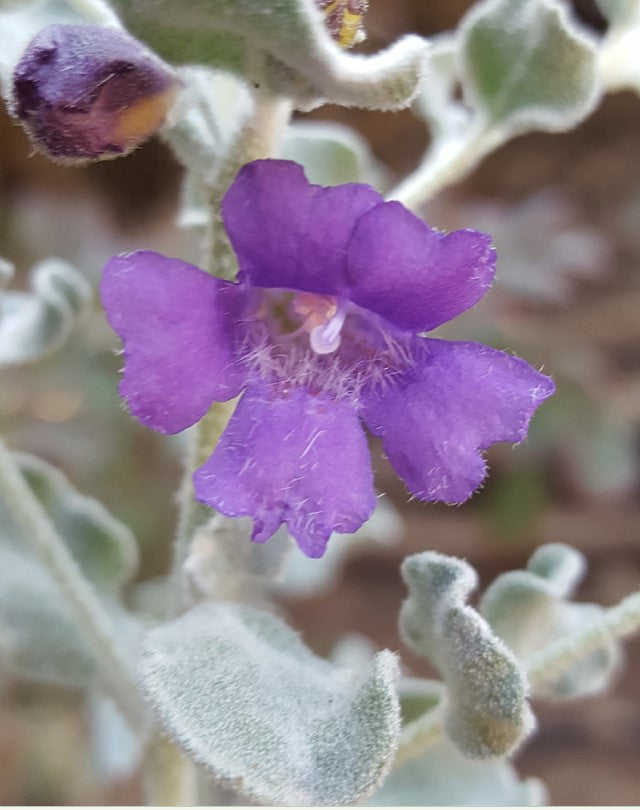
(326, 339)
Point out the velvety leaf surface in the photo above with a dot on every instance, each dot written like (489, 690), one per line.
(39, 638)
(443, 776)
(240, 692)
(292, 52)
(526, 65)
(34, 324)
(487, 713)
(530, 609)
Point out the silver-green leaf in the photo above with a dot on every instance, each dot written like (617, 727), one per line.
(34, 324)
(443, 776)
(240, 692)
(39, 638)
(530, 609)
(487, 713)
(527, 65)
(282, 44)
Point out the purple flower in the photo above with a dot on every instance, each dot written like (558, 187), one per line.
(320, 333)
(85, 92)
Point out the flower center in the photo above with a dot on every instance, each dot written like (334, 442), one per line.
(323, 320)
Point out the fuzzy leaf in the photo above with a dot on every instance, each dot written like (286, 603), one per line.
(244, 697)
(281, 43)
(35, 324)
(487, 713)
(443, 776)
(38, 635)
(331, 154)
(620, 12)
(103, 547)
(529, 610)
(526, 65)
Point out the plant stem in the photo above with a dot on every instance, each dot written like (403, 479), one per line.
(444, 164)
(170, 776)
(418, 736)
(89, 613)
(617, 622)
(259, 138)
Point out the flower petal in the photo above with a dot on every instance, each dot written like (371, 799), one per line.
(177, 324)
(298, 459)
(412, 275)
(458, 399)
(289, 233)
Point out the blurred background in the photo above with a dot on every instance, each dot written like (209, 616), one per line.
(564, 211)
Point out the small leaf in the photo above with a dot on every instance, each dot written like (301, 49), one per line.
(38, 634)
(331, 154)
(35, 324)
(487, 713)
(529, 610)
(620, 12)
(102, 546)
(526, 65)
(443, 776)
(299, 58)
(223, 564)
(244, 697)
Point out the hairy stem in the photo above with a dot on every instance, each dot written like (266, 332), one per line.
(90, 615)
(258, 139)
(418, 736)
(170, 776)
(617, 622)
(445, 164)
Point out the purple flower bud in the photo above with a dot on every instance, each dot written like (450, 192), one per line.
(344, 19)
(85, 92)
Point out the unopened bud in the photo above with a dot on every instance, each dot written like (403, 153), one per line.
(344, 19)
(86, 92)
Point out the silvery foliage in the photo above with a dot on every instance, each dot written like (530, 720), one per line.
(38, 635)
(486, 712)
(530, 609)
(34, 324)
(521, 65)
(230, 682)
(243, 696)
(280, 44)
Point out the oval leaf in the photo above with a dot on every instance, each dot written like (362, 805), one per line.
(35, 324)
(240, 692)
(526, 65)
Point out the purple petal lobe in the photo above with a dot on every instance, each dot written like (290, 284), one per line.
(177, 324)
(413, 275)
(86, 92)
(458, 399)
(300, 459)
(291, 234)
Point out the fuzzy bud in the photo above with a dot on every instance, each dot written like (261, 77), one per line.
(86, 92)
